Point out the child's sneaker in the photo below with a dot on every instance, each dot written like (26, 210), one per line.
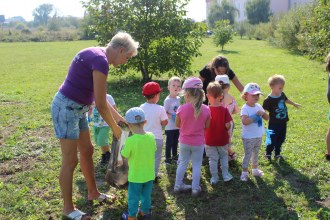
(124, 216)
(278, 157)
(181, 188)
(105, 158)
(268, 157)
(196, 192)
(244, 176)
(143, 216)
(327, 156)
(257, 172)
(232, 156)
(228, 177)
(168, 161)
(213, 181)
(156, 180)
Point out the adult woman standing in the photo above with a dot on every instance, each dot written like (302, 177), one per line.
(218, 66)
(85, 82)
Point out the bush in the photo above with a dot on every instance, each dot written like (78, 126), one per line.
(315, 36)
(289, 28)
(26, 31)
(40, 36)
(263, 31)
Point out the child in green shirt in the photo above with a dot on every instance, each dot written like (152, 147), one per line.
(140, 151)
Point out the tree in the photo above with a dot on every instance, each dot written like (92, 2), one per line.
(168, 41)
(42, 14)
(224, 11)
(316, 31)
(54, 23)
(241, 28)
(258, 11)
(223, 33)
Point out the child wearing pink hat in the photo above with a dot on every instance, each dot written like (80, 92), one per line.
(252, 114)
(192, 118)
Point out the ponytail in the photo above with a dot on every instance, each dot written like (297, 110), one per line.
(197, 96)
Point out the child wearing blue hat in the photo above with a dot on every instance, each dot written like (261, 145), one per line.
(140, 151)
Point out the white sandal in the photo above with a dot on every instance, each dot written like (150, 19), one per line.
(76, 215)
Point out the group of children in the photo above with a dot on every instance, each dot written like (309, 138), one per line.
(198, 127)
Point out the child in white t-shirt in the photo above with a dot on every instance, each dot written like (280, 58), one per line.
(252, 114)
(156, 117)
(171, 105)
(101, 130)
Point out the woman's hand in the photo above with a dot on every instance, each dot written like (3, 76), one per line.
(116, 131)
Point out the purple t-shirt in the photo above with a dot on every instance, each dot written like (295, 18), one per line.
(78, 84)
(192, 129)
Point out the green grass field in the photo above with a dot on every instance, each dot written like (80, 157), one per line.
(298, 187)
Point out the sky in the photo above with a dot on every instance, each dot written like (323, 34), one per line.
(11, 8)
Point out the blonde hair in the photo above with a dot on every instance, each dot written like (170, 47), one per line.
(197, 96)
(214, 89)
(244, 96)
(125, 40)
(174, 79)
(276, 79)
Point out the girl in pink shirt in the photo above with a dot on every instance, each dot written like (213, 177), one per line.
(192, 118)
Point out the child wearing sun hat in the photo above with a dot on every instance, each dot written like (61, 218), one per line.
(252, 114)
(192, 118)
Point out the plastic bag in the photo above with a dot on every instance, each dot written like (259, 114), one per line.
(268, 140)
(117, 171)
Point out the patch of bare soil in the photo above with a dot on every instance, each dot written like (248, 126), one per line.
(36, 139)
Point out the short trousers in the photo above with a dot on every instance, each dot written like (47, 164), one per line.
(101, 136)
(69, 117)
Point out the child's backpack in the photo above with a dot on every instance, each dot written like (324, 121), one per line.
(117, 172)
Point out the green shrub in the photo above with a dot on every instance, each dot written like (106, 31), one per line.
(290, 27)
(263, 31)
(315, 37)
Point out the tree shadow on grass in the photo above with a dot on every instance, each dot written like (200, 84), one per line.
(159, 203)
(301, 184)
(227, 52)
(232, 200)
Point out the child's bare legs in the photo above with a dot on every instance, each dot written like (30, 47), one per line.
(231, 154)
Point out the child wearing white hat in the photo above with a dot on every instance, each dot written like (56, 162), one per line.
(252, 114)
(230, 103)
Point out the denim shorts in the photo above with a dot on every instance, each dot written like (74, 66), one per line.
(69, 117)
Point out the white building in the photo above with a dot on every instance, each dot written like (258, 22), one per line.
(276, 6)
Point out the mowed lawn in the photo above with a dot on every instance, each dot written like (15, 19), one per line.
(30, 158)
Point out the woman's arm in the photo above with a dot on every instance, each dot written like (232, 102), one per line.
(238, 84)
(104, 108)
(177, 121)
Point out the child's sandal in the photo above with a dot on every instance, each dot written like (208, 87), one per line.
(233, 156)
